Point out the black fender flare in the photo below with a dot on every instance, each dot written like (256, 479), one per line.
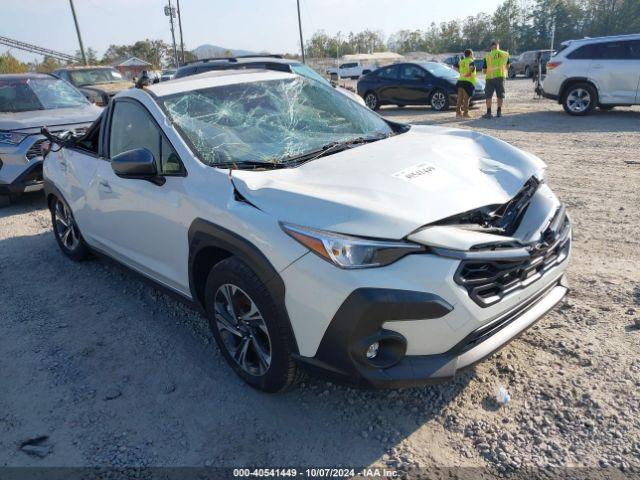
(203, 234)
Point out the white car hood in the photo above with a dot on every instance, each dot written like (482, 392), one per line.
(390, 188)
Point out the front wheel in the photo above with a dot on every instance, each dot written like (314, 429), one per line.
(5, 200)
(371, 101)
(66, 231)
(579, 99)
(254, 338)
(512, 72)
(439, 100)
(528, 72)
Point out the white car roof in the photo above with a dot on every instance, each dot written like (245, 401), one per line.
(216, 78)
(586, 40)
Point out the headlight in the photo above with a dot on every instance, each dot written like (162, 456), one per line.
(346, 251)
(11, 138)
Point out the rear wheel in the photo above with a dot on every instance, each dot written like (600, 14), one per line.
(67, 232)
(579, 99)
(528, 72)
(253, 337)
(371, 101)
(439, 100)
(5, 201)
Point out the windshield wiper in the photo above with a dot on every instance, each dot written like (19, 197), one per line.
(333, 147)
(248, 165)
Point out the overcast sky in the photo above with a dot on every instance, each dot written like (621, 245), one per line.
(246, 24)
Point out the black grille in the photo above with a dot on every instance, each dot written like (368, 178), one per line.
(489, 281)
(36, 149)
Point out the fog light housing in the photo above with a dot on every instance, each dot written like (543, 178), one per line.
(372, 350)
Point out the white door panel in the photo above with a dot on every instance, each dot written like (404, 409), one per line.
(143, 225)
(78, 169)
(617, 80)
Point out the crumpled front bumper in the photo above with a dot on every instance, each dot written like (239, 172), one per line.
(341, 355)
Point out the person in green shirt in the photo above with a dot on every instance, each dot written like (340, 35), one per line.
(466, 83)
(496, 65)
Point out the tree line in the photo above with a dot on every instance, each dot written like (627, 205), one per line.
(518, 25)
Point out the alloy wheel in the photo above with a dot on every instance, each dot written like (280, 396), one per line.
(242, 329)
(65, 226)
(578, 100)
(371, 101)
(438, 100)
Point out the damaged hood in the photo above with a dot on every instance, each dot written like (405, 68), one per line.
(392, 187)
(32, 121)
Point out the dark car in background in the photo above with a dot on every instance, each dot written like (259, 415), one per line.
(98, 84)
(527, 63)
(29, 102)
(423, 83)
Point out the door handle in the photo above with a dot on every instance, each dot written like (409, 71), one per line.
(104, 186)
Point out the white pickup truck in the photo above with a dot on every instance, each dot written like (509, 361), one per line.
(351, 70)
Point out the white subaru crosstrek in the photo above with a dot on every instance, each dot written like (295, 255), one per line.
(595, 72)
(311, 231)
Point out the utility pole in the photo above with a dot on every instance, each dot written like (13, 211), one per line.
(180, 29)
(75, 20)
(170, 12)
(300, 29)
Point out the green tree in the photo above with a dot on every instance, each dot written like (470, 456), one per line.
(48, 65)
(10, 64)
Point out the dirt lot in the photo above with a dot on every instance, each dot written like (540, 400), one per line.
(116, 373)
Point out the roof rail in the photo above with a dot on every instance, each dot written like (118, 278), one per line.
(232, 59)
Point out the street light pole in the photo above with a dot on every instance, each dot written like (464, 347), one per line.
(180, 29)
(75, 20)
(300, 29)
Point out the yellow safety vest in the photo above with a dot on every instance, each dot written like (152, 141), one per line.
(496, 64)
(467, 73)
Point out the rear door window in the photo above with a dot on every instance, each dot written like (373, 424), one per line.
(411, 72)
(388, 73)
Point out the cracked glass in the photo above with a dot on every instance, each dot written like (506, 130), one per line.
(269, 121)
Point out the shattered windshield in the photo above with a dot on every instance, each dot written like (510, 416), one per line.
(269, 121)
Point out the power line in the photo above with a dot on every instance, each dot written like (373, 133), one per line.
(28, 47)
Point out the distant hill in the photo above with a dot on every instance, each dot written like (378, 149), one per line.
(209, 51)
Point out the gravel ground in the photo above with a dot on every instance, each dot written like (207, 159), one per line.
(107, 370)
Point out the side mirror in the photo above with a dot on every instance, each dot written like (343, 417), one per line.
(138, 164)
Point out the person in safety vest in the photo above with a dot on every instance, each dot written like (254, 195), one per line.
(466, 84)
(496, 65)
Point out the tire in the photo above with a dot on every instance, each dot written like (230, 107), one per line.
(67, 232)
(371, 100)
(5, 200)
(256, 347)
(439, 100)
(512, 72)
(528, 72)
(579, 99)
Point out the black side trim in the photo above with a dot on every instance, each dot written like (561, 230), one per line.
(31, 177)
(203, 234)
(358, 322)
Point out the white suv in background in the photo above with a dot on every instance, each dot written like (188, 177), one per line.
(603, 72)
(352, 70)
(313, 232)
